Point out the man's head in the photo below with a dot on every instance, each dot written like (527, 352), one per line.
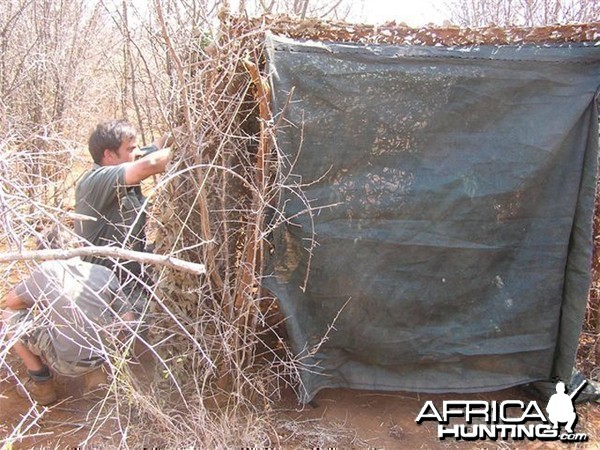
(113, 142)
(560, 387)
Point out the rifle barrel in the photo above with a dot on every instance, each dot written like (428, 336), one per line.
(576, 391)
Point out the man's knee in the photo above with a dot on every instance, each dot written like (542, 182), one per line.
(10, 318)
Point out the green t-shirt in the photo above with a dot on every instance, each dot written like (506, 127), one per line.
(117, 213)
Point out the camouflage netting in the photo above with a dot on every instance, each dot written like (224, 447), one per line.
(221, 190)
(399, 34)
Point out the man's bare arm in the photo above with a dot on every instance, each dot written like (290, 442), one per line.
(153, 163)
(147, 166)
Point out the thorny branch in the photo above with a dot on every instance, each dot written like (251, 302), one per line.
(113, 252)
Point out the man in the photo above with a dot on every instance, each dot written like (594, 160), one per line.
(62, 318)
(110, 195)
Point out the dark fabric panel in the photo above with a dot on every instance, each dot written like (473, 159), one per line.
(448, 247)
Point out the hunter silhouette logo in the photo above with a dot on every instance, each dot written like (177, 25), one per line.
(560, 407)
(509, 419)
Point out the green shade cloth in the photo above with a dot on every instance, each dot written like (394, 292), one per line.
(452, 193)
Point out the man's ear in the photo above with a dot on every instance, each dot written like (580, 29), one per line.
(106, 156)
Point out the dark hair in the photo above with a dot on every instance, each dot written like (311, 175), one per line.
(109, 136)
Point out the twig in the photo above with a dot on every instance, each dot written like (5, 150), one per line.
(114, 252)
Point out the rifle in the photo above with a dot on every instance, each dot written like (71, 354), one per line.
(573, 394)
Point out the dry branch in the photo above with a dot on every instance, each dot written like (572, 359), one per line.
(253, 256)
(113, 252)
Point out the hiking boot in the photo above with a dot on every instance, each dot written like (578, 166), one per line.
(95, 381)
(42, 392)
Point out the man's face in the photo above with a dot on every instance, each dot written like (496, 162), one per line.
(127, 152)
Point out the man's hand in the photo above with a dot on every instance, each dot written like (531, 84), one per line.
(13, 301)
(168, 139)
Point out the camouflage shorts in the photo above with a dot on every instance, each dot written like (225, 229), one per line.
(38, 340)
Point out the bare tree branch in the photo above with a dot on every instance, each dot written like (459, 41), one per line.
(114, 252)
(521, 12)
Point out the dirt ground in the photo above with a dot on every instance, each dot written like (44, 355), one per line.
(340, 418)
(387, 420)
(66, 424)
